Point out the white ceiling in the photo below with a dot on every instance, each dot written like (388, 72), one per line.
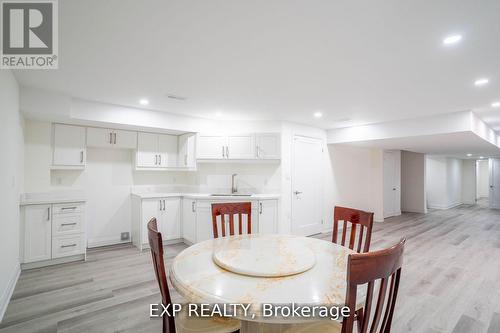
(369, 61)
(457, 144)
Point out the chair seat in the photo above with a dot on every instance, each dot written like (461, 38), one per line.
(323, 326)
(186, 324)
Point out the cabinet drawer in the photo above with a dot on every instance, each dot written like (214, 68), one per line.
(64, 224)
(63, 246)
(67, 208)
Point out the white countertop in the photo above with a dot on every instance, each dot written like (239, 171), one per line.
(204, 196)
(41, 198)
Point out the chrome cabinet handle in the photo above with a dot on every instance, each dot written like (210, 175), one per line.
(81, 157)
(227, 152)
(193, 209)
(161, 204)
(257, 150)
(160, 159)
(185, 159)
(223, 155)
(297, 192)
(156, 159)
(48, 213)
(64, 208)
(64, 224)
(70, 245)
(114, 135)
(260, 207)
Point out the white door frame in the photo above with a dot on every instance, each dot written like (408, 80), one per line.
(292, 155)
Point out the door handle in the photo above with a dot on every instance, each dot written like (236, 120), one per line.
(297, 192)
(394, 189)
(260, 207)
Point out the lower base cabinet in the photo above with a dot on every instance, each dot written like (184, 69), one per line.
(197, 218)
(52, 231)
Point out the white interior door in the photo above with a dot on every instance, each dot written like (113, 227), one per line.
(307, 186)
(494, 197)
(392, 184)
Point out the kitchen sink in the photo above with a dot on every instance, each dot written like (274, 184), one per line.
(230, 195)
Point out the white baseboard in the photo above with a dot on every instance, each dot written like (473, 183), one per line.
(7, 294)
(442, 207)
(105, 241)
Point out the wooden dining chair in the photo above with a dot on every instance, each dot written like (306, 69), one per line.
(231, 209)
(357, 220)
(182, 323)
(378, 270)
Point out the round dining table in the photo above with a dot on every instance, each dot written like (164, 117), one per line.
(258, 269)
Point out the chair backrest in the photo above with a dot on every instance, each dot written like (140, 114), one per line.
(367, 268)
(156, 245)
(231, 209)
(357, 219)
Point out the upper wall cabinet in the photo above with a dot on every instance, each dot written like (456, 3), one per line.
(186, 157)
(111, 138)
(156, 150)
(239, 147)
(68, 147)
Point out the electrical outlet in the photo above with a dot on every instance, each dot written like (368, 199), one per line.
(125, 236)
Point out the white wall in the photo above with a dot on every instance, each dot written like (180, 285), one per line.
(413, 184)
(469, 182)
(11, 184)
(449, 182)
(109, 177)
(358, 178)
(483, 179)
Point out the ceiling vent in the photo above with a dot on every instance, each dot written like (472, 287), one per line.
(176, 97)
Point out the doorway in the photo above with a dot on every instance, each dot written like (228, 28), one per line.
(494, 183)
(482, 182)
(392, 183)
(307, 186)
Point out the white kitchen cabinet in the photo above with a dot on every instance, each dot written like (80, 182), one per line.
(187, 151)
(268, 216)
(268, 146)
(156, 150)
(167, 148)
(68, 146)
(240, 147)
(111, 138)
(189, 220)
(167, 212)
(211, 147)
(37, 233)
(204, 229)
(52, 233)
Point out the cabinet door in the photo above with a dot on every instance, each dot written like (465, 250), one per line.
(268, 146)
(171, 220)
(99, 137)
(147, 150)
(187, 151)
(150, 209)
(189, 220)
(268, 216)
(37, 233)
(167, 149)
(69, 145)
(203, 223)
(124, 139)
(241, 147)
(211, 147)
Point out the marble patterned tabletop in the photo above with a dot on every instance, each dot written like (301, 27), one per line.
(196, 276)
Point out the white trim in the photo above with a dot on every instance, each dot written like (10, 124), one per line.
(442, 207)
(105, 241)
(7, 294)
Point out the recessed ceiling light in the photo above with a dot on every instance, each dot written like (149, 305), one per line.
(495, 104)
(452, 39)
(481, 82)
(218, 114)
(318, 114)
(481, 157)
(143, 101)
(469, 155)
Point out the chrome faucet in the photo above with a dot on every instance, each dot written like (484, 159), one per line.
(234, 189)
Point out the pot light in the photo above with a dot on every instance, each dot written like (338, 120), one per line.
(218, 114)
(481, 157)
(469, 155)
(143, 101)
(481, 82)
(318, 114)
(495, 105)
(452, 39)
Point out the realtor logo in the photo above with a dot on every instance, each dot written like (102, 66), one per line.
(29, 34)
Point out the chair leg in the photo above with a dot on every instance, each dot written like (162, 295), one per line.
(359, 319)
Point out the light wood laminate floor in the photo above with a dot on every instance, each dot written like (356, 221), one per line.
(450, 281)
